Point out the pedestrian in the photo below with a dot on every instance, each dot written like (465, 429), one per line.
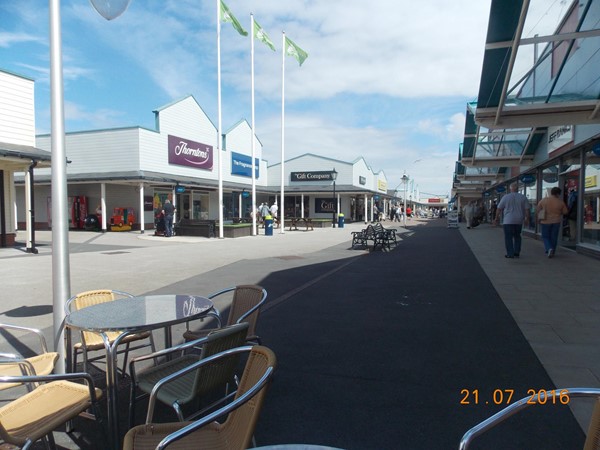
(274, 209)
(515, 209)
(469, 213)
(550, 211)
(168, 210)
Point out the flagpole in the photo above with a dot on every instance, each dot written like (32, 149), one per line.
(281, 212)
(219, 156)
(253, 126)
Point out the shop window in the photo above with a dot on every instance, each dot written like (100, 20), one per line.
(570, 171)
(591, 200)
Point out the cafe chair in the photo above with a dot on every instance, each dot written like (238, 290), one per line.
(54, 401)
(558, 397)
(91, 341)
(245, 307)
(241, 414)
(14, 365)
(176, 387)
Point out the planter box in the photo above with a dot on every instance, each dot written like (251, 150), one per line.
(238, 230)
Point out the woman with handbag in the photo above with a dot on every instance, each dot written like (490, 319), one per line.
(550, 211)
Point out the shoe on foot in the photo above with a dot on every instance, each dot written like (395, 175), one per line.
(506, 256)
(550, 253)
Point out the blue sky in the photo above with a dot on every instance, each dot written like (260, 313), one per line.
(385, 80)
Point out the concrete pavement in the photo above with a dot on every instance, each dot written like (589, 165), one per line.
(554, 302)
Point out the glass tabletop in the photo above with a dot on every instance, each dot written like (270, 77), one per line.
(139, 313)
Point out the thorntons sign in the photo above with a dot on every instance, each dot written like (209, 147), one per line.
(184, 152)
(311, 176)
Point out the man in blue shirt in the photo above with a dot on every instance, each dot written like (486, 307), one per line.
(515, 208)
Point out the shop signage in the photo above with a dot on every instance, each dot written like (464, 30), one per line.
(242, 165)
(596, 149)
(559, 136)
(528, 179)
(148, 205)
(591, 181)
(311, 176)
(186, 305)
(500, 189)
(179, 189)
(184, 152)
(362, 180)
(324, 205)
(381, 185)
(434, 200)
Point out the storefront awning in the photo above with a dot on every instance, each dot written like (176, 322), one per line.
(559, 87)
(19, 157)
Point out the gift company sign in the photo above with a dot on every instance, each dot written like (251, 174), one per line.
(184, 152)
(311, 176)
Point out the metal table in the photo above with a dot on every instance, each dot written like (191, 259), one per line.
(130, 316)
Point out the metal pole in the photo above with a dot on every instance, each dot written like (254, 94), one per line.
(405, 182)
(334, 206)
(61, 278)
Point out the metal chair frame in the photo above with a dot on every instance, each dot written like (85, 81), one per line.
(541, 397)
(83, 347)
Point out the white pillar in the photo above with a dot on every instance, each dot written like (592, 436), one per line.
(142, 219)
(28, 208)
(103, 205)
(302, 205)
(366, 201)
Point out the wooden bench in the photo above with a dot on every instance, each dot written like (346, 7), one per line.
(195, 227)
(294, 221)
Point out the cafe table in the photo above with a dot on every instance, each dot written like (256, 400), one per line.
(130, 316)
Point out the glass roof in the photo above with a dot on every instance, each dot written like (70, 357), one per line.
(541, 62)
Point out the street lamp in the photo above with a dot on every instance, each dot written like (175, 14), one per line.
(334, 177)
(405, 182)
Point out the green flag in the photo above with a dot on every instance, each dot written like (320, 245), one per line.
(226, 16)
(260, 34)
(295, 51)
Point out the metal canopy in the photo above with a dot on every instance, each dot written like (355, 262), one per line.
(561, 86)
(523, 91)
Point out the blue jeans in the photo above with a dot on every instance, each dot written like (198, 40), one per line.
(550, 233)
(512, 239)
(168, 225)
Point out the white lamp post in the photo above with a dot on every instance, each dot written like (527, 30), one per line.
(334, 177)
(405, 182)
(61, 277)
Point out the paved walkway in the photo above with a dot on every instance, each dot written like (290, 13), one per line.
(554, 302)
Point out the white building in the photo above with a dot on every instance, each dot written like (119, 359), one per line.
(17, 154)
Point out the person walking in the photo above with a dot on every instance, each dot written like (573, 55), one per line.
(469, 212)
(515, 208)
(550, 211)
(168, 211)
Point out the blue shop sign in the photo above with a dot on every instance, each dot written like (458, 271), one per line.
(241, 165)
(528, 179)
(500, 189)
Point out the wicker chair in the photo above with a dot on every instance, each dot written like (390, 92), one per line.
(245, 307)
(177, 389)
(36, 414)
(553, 397)
(235, 433)
(91, 341)
(16, 365)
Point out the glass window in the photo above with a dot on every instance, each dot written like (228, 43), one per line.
(570, 172)
(591, 200)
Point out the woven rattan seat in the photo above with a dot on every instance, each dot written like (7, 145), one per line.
(245, 307)
(235, 433)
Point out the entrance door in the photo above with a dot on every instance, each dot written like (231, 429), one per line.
(183, 206)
